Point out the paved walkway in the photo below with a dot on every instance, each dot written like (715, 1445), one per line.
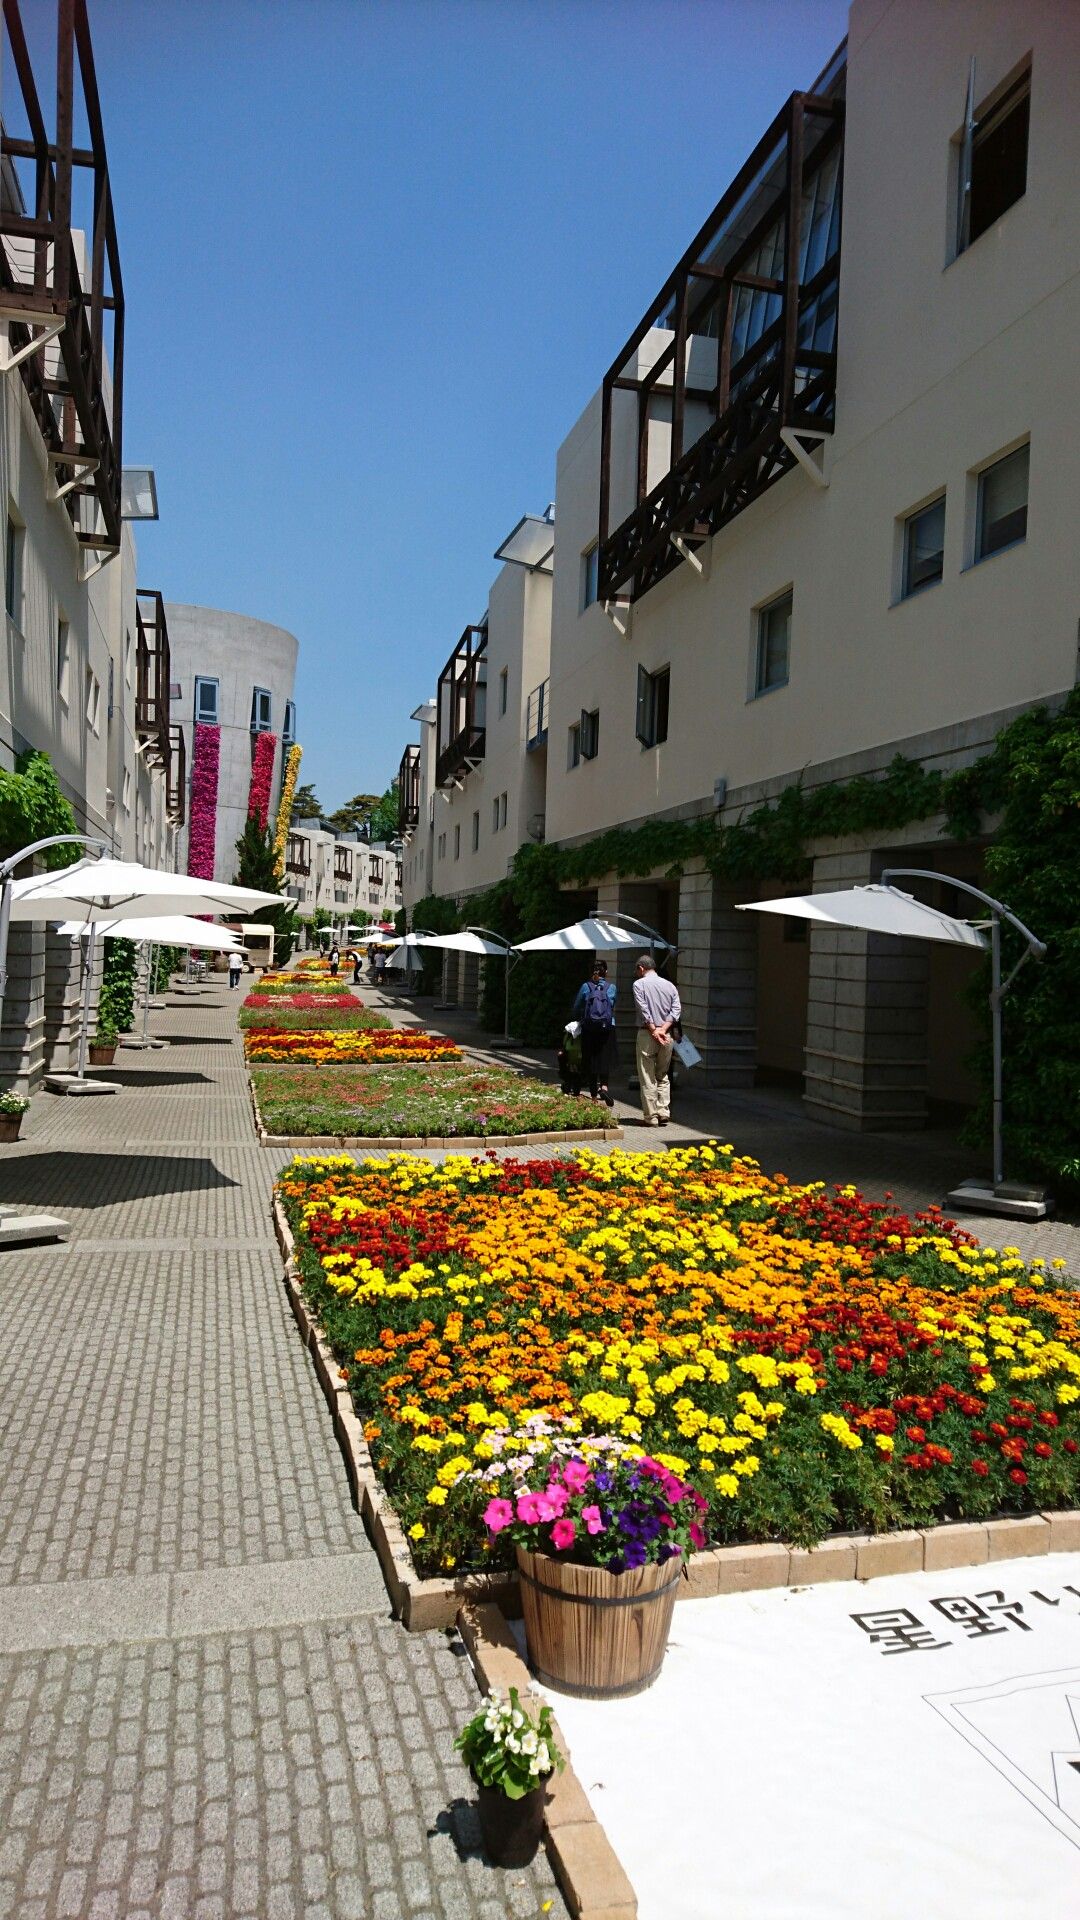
(205, 1709)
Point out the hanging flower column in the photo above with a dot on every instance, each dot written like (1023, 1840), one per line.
(284, 812)
(205, 759)
(262, 773)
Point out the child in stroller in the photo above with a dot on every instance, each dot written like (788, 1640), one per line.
(569, 1058)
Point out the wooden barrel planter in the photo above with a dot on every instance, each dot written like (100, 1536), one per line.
(9, 1126)
(102, 1054)
(596, 1634)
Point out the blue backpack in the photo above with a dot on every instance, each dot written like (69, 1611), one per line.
(599, 1014)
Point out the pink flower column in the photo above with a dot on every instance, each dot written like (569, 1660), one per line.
(262, 773)
(202, 833)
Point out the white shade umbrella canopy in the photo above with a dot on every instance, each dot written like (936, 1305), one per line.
(875, 909)
(179, 930)
(465, 943)
(93, 890)
(590, 936)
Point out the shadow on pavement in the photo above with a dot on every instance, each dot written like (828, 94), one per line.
(62, 1179)
(146, 1077)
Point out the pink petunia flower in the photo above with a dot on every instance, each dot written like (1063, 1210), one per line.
(562, 1534)
(528, 1508)
(497, 1515)
(593, 1518)
(576, 1476)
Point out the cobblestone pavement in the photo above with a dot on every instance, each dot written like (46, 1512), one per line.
(918, 1169)
(204, 1708)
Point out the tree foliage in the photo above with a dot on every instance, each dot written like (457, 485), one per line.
(257, 867)
(306, 804)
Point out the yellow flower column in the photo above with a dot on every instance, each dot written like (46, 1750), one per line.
(284, 812)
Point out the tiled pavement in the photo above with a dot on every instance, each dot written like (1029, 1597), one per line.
(204, 1708)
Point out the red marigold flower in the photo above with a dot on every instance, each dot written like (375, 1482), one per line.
(1018, 1474)
(980, 1467)
(1043, 1450)
(1049, 1419)
(1069, 1446)
(915, 1433)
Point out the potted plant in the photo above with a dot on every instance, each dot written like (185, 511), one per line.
(511, 1756)
(103, 1045)
(600, 1531)
(12, 1108)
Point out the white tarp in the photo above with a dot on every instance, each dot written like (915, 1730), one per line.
(92, 890)
(590, 936)
(467, 942)
(180, 931)
(897, 1749)
(877, 909)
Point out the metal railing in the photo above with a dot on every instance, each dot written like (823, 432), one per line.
(536, 716)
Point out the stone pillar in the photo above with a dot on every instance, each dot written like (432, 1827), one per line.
(469, 982)
(62, 1000)
(449, 990)
(866, 1032)
(22, 1027)
(717, 974)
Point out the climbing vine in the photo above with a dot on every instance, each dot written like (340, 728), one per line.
(116, 1005)
(33, 807)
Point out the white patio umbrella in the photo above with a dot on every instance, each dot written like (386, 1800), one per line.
(882, 908)
(482, 941)
(596, 934)
(180, 930)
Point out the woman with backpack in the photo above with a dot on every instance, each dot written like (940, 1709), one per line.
(594, 1007)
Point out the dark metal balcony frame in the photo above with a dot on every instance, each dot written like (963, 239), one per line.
(342, 863)
(536, 716)
(152, 729)
(408, 785)
(779, 388)
(176, 778)
(375, 869)
(298, 855)
(465, 747)
(83, 433)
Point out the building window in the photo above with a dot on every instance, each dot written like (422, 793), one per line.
(589, 733)
(125, 794)
(495, 814)
(590, 575)
(652, 706)
(924, 547)
(573, 746)
(502, 809)
(63, 659)
(93, 700)
(13, 571)
(289, 734)
(206, 701)
(442, 846)
(112, 687)
(993, 161)
(504, 677)
(773, 644)
(457, 843)
(127, 659)
(260, 710)
(475, 831)
(1001, 515)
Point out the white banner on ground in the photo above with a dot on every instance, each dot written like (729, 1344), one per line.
(899, 1749)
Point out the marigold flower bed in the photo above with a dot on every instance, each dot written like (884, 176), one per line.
(305, 1013)
(398, 1102)
(809, 1361)
(319, 1048)
(270, 984)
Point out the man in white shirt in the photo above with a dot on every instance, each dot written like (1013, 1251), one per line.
(658, 1008)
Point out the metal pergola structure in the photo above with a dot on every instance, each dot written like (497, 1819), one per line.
(65, 337)
(462, 715)
(768, 403)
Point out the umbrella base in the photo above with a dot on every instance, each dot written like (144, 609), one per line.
(140, 1044)
(70, 1083)
(1011, 1202)
(30, 1229)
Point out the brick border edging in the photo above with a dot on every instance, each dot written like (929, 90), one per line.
(585, 1864)
(315, 1142)
(435, 1603)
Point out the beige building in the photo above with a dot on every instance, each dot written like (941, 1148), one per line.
(86, 654)
(819, 514)
(349, 878)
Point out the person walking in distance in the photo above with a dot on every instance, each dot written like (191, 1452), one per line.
(335, 960)
(594, 1008)
(236, 968)
(658, 1009)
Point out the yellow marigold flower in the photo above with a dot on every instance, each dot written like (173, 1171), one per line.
(884, 1442)
(417, 1531)
(436, 1496)
(727, 1484)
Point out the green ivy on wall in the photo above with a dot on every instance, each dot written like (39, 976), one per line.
(32, 807)
(116, 1005)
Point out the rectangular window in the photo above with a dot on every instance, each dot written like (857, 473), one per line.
(573, 746)
(125, 800)
(590, 575)
(260, 710)
(773, 644)
(127, 659)
(590, 733)
(93, 700)
(652, 706)
(62, 659)
(1001, 518)
(495, 814)
(206, 701)
(503, 686)
(924, 547)
(289, 733)
(112, 686)
(13, 571)
(993, 161)
(502, 809)
(475, 831)
(442, 846)
(457, 843)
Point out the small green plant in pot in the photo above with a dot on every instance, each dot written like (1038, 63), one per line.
(103, 1045)
(12, 1108)
(511, 1756)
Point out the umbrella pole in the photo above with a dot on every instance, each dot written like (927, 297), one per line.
(995, 1017)
(84, 1022)
(150, 952)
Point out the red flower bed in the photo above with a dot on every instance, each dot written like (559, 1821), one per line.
(304, 1002)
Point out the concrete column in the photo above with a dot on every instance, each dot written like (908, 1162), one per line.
(866, 1033)
(62, 997)
(717, 975)
(449, 991)
(469, 982)
(22, 1026)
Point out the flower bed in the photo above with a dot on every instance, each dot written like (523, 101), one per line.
(320, 1047)
(808, 1361)
(400, 1103)
(275, 983)
(301, 1012)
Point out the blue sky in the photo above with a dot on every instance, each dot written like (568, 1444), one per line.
(377, 255)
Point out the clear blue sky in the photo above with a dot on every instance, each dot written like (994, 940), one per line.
(377, 255)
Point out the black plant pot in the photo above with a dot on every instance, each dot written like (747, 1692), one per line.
(512, 1829)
